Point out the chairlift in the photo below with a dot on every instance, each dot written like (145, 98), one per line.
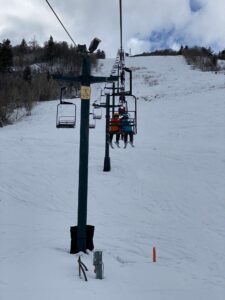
(66, 113)
(102, 98)
(133, 114)
(92, 121)
(97, 112)
(102, 93)
(123, 107)
(131, 122)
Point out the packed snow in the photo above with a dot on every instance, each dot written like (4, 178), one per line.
(168, 192)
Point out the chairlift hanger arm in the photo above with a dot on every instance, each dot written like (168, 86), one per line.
(104, 79)
(95, 105)
(128, 70)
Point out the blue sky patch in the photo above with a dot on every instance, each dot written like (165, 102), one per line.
(195, 5)
(164, 39)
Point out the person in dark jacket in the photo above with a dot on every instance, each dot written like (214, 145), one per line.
(122, 110)
(127, 130)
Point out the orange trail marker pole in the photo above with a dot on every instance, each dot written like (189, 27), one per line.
(154, 254)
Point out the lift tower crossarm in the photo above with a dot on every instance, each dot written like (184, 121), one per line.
(92, 79)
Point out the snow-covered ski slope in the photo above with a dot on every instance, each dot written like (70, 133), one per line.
(167, 192)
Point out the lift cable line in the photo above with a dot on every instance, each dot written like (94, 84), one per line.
(121, 28)
(61, 23)
(119, 63)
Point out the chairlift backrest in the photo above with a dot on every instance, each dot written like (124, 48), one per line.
(97, 113)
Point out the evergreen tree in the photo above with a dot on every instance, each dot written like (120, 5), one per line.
(180, 52)
(23, 47)
(6, 56)
(21, 51)
(50, 50)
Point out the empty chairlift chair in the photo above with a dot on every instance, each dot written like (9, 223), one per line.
(97, 113)
(66, 113)
(92, 121)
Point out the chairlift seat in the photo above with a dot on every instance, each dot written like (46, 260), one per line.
(66, 115)
(97, 117)
(65, 125)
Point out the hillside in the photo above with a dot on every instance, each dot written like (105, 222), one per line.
(167, 192)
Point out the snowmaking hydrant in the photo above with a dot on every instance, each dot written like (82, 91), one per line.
(99, 266)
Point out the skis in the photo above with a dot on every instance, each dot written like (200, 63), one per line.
(111, 145)
(117, 144)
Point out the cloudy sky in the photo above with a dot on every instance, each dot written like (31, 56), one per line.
(147, 24)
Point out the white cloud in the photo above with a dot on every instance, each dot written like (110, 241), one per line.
(208, 25)
(86, 19)
(137, 46)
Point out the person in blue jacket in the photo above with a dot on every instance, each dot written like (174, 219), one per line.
(127, 129)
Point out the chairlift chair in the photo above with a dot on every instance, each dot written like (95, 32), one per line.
(121, 132)
(66, 115)
(102, 93)
(102, 98)
(97, 113)
(92, 121)
(131, 112)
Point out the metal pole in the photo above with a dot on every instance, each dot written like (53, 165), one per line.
(107, 164)
(122, 62)
(83, 159)
(118, 81)
(82, 234)
(113, 99)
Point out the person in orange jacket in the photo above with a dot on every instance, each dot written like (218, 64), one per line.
(114, 129)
